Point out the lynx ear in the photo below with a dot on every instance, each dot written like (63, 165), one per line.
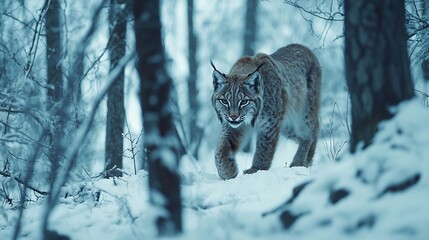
(254, 81)
(218, 78)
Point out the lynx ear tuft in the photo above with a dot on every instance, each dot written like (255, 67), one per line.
(218, 78)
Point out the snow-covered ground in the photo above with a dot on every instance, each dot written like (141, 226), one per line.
(377, 204)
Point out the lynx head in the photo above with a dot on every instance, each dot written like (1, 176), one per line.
(237, 98)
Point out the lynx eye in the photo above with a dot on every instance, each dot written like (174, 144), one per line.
(224, 102)
(244, 102)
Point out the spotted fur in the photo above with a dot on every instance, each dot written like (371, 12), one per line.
(277, 93)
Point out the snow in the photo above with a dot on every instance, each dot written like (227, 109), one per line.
(119, 208)
(399, 153)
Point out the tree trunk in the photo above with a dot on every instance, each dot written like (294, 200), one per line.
(195, 132)
(377, 64)
(115, 97)
(53, 51)
(161, 141)
(76, 87)
(249, 46)
(55, 83)
(250, 28)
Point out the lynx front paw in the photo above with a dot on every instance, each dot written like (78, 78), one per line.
(227, 169)
(250, 171)
(225, 175)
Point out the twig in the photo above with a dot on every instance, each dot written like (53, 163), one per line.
(425, 96)
(133, 144)
(319, 14)
(332, 147)
(36, 36)
(6, 174)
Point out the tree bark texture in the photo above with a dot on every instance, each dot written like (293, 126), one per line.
(250, 27)
(53, 52)
(160, 136)
(115, 96)
(376, 62)
(195, 132)
(55, 92)
(249, 45)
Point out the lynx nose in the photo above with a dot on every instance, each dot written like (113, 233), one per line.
(233, 117)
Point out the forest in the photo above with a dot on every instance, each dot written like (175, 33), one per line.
(110, 125)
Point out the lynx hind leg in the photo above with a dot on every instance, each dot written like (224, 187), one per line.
(306, 149)
(301, 156)
(307, 146)
(311, 154)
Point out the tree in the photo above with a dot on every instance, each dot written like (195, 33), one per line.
(162, 144)
(377, 65)
(249, 43)
(55, 83)
(195, 132)
(250, 28)
(53, 52)
(115, 98)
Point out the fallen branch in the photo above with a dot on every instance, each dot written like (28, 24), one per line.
(6, 174)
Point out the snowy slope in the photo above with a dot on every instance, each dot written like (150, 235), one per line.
(233, 209)
(378, 193)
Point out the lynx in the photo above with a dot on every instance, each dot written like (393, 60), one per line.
(277, 93)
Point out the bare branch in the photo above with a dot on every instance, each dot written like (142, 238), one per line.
(6, 174)
(19, 20)
(325, 15)
(36, 36)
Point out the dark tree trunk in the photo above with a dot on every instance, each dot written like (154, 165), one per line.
(53, 51)
(250, 28)
(161, 141)
(55, 82)
(249, 45)
(195, 132)
(76, 87)
(377, 64)
(115, 96)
